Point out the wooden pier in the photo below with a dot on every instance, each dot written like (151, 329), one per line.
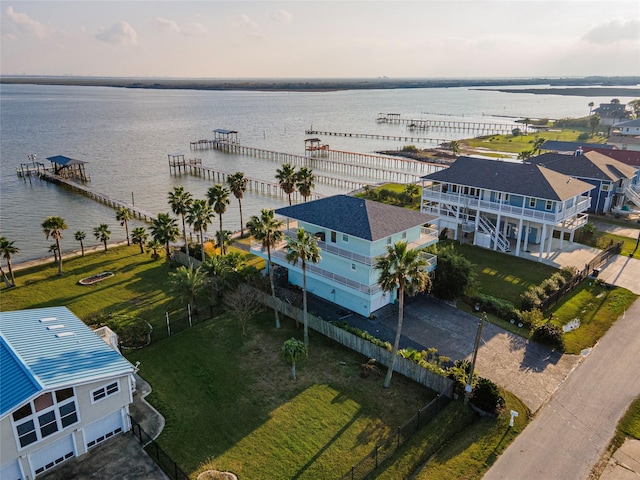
(486, 128)
(99, 197)
(376, 136)
(377, 167)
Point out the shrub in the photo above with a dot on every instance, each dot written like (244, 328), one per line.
(559, 279)
(486, 396)
(549, 334)
(516, 132)
(365, 335)
(549, 286)
(583, 136)
(459, 373)
(531, 298)
(410, 148)
(568, 272)
(531, 318)
(497, 306)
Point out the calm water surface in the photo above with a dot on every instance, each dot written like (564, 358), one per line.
(126, 134)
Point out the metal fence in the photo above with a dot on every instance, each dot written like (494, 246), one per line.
(162, 459)
(590, 269)
(385, 449)
(184, 319)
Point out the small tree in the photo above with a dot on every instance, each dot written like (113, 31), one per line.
(594, 121)
(486, 396)
(155, 246)
(454, 274)
(187, 283)
(242, 304)
(7, 248)
(291, 350)
(80, 236)
(53, 227)
(139, 236)
(103, 234)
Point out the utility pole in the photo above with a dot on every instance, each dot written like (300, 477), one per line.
(468, 388)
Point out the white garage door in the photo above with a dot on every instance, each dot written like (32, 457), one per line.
(102, 429)
(52, 455)
(10, 471)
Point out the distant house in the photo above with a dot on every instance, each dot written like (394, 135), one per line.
(615, 182)
(571, 147)
(625, 135)
(351, 232)
(63, 390)
(612, 113)
(506, 206)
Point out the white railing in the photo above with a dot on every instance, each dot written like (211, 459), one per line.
(633, 195)
(490, 229)
(109, 336)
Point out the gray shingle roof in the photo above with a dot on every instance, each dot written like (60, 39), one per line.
(628, 123)
(588, 165)
(571, 146)
(357, 217)
(511, 177)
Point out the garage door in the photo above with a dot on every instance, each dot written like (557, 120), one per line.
(52, 455)
(11, 471)
(103, 429)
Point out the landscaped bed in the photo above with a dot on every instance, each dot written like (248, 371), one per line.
(98, 277)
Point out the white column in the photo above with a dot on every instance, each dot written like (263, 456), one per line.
(543, 237)
(519, 238)
(550, 242)
(475, 233)
(526, 235)
(497, 233)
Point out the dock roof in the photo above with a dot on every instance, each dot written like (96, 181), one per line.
(62, 160)
(356, 217)
(49, 348)
(225, 132)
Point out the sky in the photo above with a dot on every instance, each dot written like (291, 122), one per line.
(320, 39)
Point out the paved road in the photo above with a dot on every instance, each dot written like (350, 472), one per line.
(572, 431)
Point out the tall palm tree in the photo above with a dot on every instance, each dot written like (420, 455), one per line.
(286, 177)
(139, 236)
(79, 237)
(403, 270)
(223, 240)
(218, 197)
(412, 190)
(187, 283)
(53, 227)
(180, 202)
(102, 233)
(238, 185)
(7, 248)
(304, 248)
(305, 182)
(164, 230)
(591, 105)
(454, 145)
(267, 230)
(123, 215)
(199, 216)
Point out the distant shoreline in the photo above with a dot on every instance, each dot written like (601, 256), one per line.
(607, 86)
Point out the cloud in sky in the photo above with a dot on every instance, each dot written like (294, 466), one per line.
(243, 21)
(25, 24)
(120, 33)
(613, 31)
(281, 16)
(170, 26)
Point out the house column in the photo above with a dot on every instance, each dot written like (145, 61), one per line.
(496, 233)
(550, 242)
(519, 238)
(526, 235)
(475, 234)
(562, 234)
(543, 237)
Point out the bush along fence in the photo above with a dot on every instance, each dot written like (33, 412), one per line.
(388, 447)
(403, 366)
(162, 459)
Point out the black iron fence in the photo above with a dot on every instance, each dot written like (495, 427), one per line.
(590, 269)
(388, 447)
(162, 459)
(184, 319)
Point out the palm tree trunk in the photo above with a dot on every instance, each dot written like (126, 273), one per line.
(167, 252)
(59, 257)
(126, 229)
(396, 342)
(184, 234)
(82, 247)
(221, 240)
(105, 245)
(273, 289)
(141, 247)
(304, 304)
(201, 245)
(4, 277)
(241, 224)
(13, 278)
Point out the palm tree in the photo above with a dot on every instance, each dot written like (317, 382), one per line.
(220, 273)
(454, 145)
(404, 270)
(591, 105)
(164, 229)
(218, 197)
(139, 236)
(54, 249)
(103, 234)
(238, 185)
(187, 283)
(594, 121)
(527, 122)
(123, 215)
(154, 246)
(180, 202)
(292, 349)
(286, 177)
(305, 182)
(199, 216)
(4, 277)
(537, 145)
(304, 248)
(80, 236)
(53, 227)
(267, 230)
(411, 189)
(7, 248)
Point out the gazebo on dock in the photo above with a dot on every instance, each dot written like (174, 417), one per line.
(314, 145)
(68, 167)
(229, 137)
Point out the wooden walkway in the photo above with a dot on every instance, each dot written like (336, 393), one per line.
(487, 128)
(377, 167)
(99, 197)
(399, 138)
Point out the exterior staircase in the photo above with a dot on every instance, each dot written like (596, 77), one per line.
(632, 192)
(498, 238)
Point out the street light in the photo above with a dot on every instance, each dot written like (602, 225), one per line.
(468, 387)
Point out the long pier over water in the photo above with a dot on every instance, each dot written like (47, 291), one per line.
(486, 128)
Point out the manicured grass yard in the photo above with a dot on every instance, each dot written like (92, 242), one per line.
(509, 143)
(229, 403)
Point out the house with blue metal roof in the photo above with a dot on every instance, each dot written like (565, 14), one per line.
(63, 390)
(351, 233)
(506, 206)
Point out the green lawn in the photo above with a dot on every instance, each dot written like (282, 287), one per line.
(603, 240)
(504, 276)
(597, 307)
(229, 403)
(511, 144)
(629, 426)
(471, 444)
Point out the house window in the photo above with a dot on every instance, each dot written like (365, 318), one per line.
(388, 240)
(605, 187)
(353, 266)
(333, 237)
(104, 392)
(44, 416)
(404, 235)
(549, 205)
(532, 203)
(345, 238)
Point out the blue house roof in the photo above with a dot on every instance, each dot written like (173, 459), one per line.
(49, 348)
(357, 217)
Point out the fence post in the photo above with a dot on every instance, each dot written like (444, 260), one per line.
(175, 469)
(352, 470)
